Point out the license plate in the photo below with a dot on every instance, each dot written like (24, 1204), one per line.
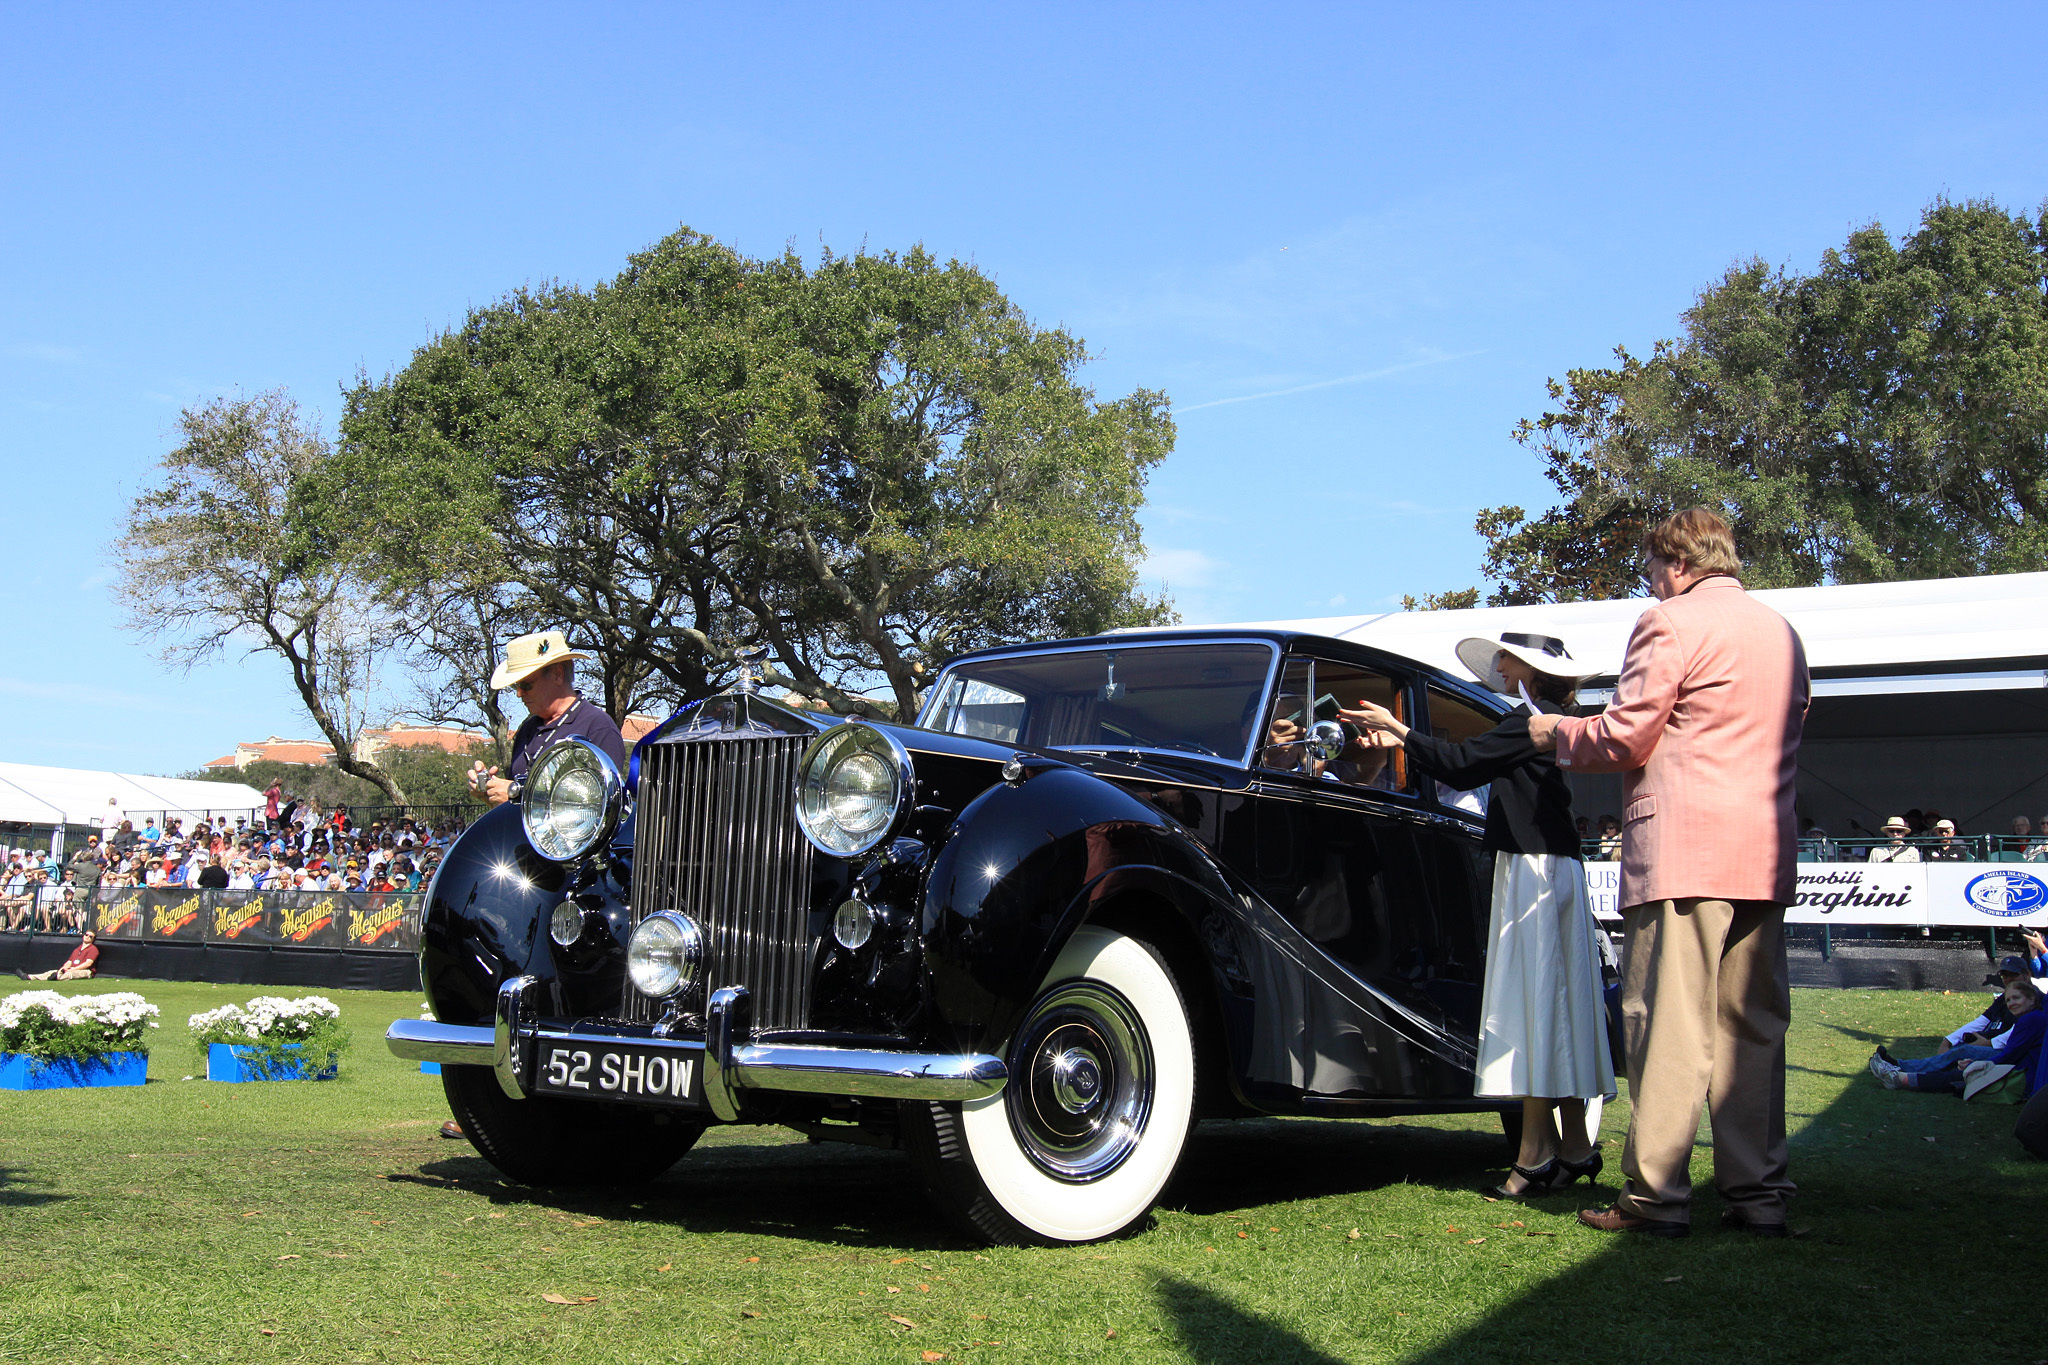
(619, 1071)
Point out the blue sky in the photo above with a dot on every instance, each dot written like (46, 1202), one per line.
(1351, 242)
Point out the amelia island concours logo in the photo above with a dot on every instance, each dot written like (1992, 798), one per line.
(2007, 893)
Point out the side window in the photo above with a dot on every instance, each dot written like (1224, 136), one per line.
(1370, 758)
(1282, 749)
(973, 707)
(1315, 691)
(1456, 720)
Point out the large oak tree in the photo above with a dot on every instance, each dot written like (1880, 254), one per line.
(1885, 417)
(866, 466)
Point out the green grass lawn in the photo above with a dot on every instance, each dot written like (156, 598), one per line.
(324, 1222)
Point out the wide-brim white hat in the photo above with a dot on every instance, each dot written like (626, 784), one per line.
(530, 654)
(1544, 653)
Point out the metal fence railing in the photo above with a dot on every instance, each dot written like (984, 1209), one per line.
(302, 919)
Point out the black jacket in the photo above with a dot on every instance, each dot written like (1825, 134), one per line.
(1530, 807)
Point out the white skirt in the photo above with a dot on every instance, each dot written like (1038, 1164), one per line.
(1544, 1026)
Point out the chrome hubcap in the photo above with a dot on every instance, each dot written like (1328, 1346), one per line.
(1086, 1073)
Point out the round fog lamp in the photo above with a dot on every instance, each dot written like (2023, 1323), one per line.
(853, 924)
(565, 926)
(663, 955)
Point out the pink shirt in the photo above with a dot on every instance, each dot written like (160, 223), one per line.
(1705, 723)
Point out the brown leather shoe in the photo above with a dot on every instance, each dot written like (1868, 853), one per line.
(1614, 1220)
(452, 1129)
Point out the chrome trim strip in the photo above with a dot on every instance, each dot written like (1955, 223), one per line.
(507, 1058)
(426, 1040)
(858, 1071)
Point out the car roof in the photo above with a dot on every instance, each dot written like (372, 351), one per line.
(1288, 641)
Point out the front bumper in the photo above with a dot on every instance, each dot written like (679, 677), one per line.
(732, 1061)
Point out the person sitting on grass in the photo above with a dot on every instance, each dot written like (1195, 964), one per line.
(1995, 1019)
(80, 966)
(2018, 1047)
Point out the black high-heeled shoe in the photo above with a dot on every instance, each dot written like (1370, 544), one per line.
(1570, 1171)
(1540, 1182)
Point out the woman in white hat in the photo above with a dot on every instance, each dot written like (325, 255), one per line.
(1543, 1030)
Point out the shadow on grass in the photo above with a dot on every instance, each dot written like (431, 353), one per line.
(1245, 1163)
(856, 1197)
(13, 1196)
(1874, 1205)
(1212, 1329)
(862, 1197)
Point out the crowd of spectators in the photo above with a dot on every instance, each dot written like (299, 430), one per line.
(1915, 837)
(292, 846)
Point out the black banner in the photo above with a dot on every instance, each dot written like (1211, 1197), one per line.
(175, 915)
(118, 911)
(388, 921)
(309, 919)
(237, 917)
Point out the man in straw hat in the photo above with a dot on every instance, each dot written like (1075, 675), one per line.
(1898, 850)
(541, 668)
(1705, 723)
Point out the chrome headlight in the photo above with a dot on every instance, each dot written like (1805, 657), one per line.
(663, 955)
(854, 784)
(573, 793)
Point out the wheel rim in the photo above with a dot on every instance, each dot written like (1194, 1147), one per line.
(1087, 1081)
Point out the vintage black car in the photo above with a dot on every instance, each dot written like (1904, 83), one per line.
(1102, 889)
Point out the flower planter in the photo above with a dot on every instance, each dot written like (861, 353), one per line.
(228, 1062)
(19, 1071)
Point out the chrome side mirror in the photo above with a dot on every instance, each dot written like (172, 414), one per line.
(1326, 740)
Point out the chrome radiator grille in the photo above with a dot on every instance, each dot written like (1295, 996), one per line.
(716, 837)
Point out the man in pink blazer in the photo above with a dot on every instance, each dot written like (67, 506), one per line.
(1706, 723)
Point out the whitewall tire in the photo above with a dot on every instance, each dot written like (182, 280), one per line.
(1093, 1120)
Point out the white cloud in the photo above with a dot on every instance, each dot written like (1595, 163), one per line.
(1380, 373)
(53, 355)
(1182, 568)
(72, 691)
(99, 579)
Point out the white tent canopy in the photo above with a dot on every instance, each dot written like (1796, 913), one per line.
(1927, 694)
(1994, 627)
(73, 796)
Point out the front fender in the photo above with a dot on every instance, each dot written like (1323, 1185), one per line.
(1026, 865)
(485, 909)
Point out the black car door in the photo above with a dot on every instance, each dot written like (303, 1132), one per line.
(1342, 860)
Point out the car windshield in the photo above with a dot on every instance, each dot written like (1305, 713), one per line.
(1200, 699)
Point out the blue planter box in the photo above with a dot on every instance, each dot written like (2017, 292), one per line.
(232, 1063)
(18, 1071)
(430, 1068)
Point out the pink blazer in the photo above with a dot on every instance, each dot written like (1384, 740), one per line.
(1705, 723)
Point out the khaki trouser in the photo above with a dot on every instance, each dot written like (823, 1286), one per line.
(1705, 1004)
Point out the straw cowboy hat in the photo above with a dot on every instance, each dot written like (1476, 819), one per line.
(530, 654)
(1544, 653)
